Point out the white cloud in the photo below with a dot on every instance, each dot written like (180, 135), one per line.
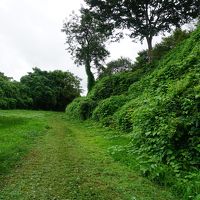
(31, 36)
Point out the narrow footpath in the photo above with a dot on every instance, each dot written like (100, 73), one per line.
(70, 162)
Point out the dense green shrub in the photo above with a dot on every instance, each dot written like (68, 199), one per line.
(3, 103)
(114, 85)
(81, 108)
(108, 107)
(123, 117)
(86, 108)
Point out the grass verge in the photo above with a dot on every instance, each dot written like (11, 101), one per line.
(18, 130)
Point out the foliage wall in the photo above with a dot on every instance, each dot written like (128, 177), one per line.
(160, 108)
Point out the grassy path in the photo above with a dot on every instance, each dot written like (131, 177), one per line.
(71, 162)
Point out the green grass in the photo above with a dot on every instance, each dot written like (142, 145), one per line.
(71, 160)
(18, 131)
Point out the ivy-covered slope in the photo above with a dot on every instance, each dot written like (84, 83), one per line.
(160, 108)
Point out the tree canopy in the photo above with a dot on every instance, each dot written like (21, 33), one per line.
(39, 90)
(85, 41)
(12, 94)
(120, 65)
(144, 18)
(51, 90)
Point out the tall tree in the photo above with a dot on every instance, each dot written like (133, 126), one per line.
(86, 42)
(145, 18)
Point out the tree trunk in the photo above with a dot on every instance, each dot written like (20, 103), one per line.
(90, 76)
(149, 42)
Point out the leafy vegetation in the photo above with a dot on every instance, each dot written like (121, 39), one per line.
(161, 112)
(12, 94)
(51, 90)
(162, 48)
(39, 90)
(81, 108)
(114, 85)
(107, 107)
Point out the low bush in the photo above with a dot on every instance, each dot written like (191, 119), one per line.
(114, 85)
(107, 108)
(123, 117)
(81, 108)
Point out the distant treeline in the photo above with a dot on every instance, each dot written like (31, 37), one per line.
(39, 90)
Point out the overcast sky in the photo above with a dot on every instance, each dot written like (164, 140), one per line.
(30, 36)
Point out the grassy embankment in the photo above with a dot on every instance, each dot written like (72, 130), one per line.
(157, 104)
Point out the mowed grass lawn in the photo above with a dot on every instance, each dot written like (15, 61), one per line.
(18, 130)
(45, 156)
